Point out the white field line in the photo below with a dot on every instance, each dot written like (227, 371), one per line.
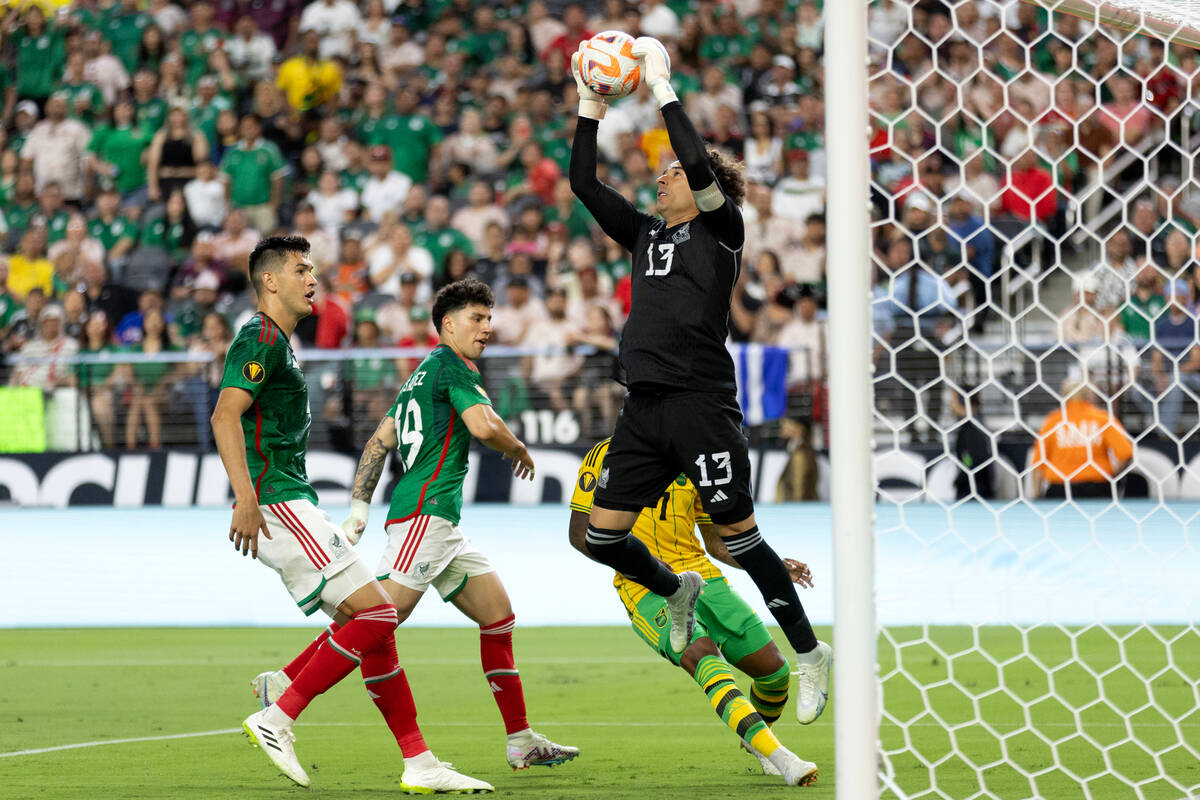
(586, 724)
(241, 662)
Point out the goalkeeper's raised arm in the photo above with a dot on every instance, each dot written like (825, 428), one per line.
(720, 210)
(616, 215)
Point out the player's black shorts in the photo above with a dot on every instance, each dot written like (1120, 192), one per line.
(660, 435)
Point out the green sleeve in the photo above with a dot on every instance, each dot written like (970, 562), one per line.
(249, 364)
(227, 161)
(98, 137)
(463, 388)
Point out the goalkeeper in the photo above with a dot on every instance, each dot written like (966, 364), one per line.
(681, 414)
(727, 629)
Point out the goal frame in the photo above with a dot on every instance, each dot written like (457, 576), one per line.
(856, 707)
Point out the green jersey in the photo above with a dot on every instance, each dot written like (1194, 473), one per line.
(39, 62)
(260, 361)
(151, 114)
(433, 440)
(123, 147)
(109, 233)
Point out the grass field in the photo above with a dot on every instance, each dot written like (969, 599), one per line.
(646, 731)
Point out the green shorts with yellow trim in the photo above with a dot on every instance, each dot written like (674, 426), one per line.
(721, 615)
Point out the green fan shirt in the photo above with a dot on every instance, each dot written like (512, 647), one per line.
(261, 361)
(433, 439)
(109, 233)
(122, 146)
(39, 62)
(250, 170)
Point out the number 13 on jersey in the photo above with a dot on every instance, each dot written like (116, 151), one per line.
(666, 253)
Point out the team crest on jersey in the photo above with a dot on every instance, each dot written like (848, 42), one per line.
(683, 234)
(660, 619)
(603, 483)
(422, 568)
(335, 544)
(253, 372)
(681, 480)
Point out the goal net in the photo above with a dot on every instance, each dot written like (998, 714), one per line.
(1036, 377)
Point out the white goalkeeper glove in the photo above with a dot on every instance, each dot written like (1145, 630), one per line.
(356, 523)
(591, 105)
(656, 68)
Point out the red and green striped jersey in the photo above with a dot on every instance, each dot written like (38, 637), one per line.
(433, 441)
(261, 361)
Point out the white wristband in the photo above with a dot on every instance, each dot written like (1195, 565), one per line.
(360, 509)
(592, 109)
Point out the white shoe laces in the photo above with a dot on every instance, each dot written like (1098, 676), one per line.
(806, 679)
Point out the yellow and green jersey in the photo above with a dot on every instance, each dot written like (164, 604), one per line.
(668, 528)
(261, 361)
(433, 441)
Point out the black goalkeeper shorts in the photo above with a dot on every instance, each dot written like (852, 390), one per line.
(660, 435)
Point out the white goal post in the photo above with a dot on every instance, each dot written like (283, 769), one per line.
(851, 487)
(997, 633)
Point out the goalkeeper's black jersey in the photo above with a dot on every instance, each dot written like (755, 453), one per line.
(679, 319)
(683, 280)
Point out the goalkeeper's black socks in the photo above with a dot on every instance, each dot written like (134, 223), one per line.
(766, 569)
(627, 555)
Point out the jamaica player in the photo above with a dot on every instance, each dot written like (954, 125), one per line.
(727, 631)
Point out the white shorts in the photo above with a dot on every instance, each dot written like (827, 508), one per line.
(431, 551)
(314, 560)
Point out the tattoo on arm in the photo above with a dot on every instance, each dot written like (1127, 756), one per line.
(370, 467)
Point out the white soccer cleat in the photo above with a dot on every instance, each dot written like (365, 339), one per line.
(536, 750)
(767, 767)
(795, 770)
(276, 742)
(438, 777)
(268, 686)
(812, 685)
(681, 608)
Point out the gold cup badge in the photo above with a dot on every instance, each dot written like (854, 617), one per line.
(253, 372)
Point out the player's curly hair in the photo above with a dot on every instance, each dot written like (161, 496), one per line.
(731, 174)
(460, 294)
(271, 253)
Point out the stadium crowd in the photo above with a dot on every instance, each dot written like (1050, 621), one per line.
(147, 145)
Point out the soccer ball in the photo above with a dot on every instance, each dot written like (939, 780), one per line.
(608, 66)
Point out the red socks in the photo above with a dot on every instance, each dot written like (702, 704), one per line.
(388, 686)
(343, 651)
(499, 667)
(297, 663)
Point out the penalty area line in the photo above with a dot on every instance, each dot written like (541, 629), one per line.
(566, 724)
(199, 734)
(79, 745)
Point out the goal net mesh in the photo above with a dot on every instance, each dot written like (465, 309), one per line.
(1034, 229)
